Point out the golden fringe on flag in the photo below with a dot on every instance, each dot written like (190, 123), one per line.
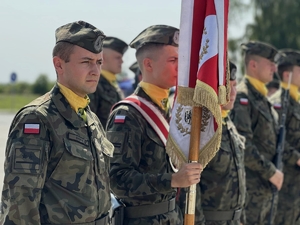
(203, 95)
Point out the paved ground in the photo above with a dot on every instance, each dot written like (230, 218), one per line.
(5, 120)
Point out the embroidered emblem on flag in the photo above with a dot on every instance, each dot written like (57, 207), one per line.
(31, 128)
(277, 106)
(119, 119)
(244, 101)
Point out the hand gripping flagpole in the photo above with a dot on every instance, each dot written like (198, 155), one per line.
(189, 218)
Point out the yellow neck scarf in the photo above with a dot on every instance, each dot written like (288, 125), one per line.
(112, 79)
(77, 103)
(258, 85)
(157, 94)
(294, 93)
(225, 113)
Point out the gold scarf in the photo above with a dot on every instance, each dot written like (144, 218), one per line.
(294, 93)
(112, 79)
(258, 85)
(225, 113)
(77, 103)
(157, 94)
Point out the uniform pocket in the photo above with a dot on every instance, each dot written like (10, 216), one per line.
(74, 167)
(29, 162)
(105, 150)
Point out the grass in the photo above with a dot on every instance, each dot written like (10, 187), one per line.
(15, 102)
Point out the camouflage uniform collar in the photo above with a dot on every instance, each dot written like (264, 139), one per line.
(294, 93)
(254, 92)
(64, 108)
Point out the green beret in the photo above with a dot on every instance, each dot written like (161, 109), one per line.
(288, 57)
(157, 34)
(115, 44)
(261, 49)
(135, 68)
(82, 34)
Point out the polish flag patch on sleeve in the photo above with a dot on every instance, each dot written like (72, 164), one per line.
(277, 106)
(244, 101)
(31, 128)
(119, 119)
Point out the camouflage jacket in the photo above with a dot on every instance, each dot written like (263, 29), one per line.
(256, 120)
(104, 98)
(57, 173)
(291, 153)
(222, 186)
(140, 170)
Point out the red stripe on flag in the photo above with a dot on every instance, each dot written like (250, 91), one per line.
(211, 79)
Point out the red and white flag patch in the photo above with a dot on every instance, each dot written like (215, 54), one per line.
(120, 119)
(277, 106)
(31, 128)
(244, 101)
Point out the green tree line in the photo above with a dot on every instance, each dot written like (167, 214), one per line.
(39, 87)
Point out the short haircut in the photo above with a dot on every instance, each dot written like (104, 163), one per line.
(249, 57)
(63, 50)
(282, 68)
(150, 50)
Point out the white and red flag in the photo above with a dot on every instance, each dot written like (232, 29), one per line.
(202, 78)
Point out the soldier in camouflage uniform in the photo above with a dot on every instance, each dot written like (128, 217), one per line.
(57, 156)
(256, 120)
(141, 173)
(288, 212)
(108, 91)
(222, 190)
(137, 74)
(274, 85)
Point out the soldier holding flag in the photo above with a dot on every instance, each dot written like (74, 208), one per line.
(141, 172)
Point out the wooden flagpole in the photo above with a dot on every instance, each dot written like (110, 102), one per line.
(189, 218)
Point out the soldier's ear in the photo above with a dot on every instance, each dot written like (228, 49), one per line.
(252, 64)
(147, 64)
(57, 62)
(285, 75)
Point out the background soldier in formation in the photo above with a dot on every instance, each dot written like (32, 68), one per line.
(108, 91)
(256, 120)
(137, 74)
(288, 212)
(274, 85)
(57, 157)
(222, 189)
(141, 173)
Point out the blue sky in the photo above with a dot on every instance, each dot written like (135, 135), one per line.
(28, 26)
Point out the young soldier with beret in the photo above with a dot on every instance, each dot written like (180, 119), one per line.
(255, 119)
(141, 172)
(57, 156)
(108, 91)
(288, 63)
